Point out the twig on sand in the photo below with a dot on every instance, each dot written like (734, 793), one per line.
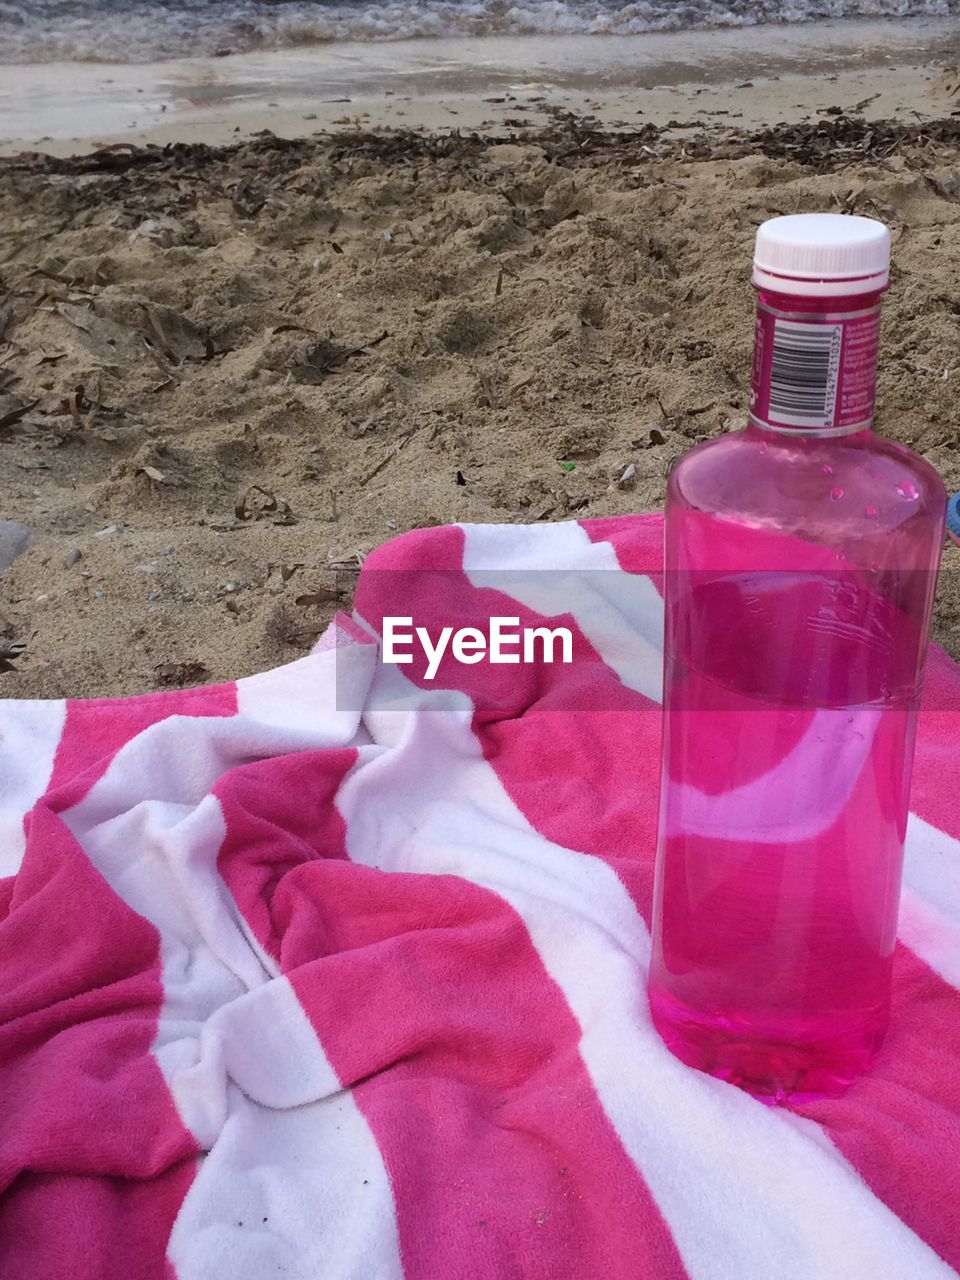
(404, 441)
(380, 465)
(156, 329)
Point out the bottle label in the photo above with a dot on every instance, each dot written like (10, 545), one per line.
(815, 372)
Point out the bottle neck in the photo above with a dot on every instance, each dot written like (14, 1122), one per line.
(815, 363)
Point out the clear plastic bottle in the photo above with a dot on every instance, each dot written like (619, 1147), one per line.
(801, 561)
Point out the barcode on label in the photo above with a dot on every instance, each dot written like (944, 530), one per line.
(804, 373)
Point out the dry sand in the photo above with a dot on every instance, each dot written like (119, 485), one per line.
(225, 374)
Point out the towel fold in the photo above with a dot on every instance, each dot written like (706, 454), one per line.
(338, 971)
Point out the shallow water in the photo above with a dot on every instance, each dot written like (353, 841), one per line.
(146, 30)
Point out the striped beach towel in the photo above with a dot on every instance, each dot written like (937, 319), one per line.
(337, 972)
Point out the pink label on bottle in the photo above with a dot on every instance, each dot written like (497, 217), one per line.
(815, 372)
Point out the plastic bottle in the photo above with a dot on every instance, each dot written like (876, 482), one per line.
(801, 561)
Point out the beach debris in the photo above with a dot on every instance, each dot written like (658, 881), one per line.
(696, 410)
(521, 383)
(173, 337)
(74, 404)
(488, 388)
(569, 140)
(114, 344)
(153, 473)
(160, 231)
(285, 627)
(388, 457)
(72, 558)
(628, 477)
(156, 329)
(304, 181)
(12, 410)
(10, 649)
(322, 595)
(323, 357)
(246, 198)
(168, 375)
(15, 538)
(176, 675)
(284, 515)
(352, 562)
(106, 533)
(82, 318)
(258, 503)
(357, 430)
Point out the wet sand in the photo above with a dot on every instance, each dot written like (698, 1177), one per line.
(753, 77)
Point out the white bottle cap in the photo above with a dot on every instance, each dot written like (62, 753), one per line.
(822, 253)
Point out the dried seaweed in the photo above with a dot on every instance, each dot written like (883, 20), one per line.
(167, 182)
(10, 417)
(324, 357)
(258, 503)
(823, 144)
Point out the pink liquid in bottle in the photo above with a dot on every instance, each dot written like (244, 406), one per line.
(801, 558)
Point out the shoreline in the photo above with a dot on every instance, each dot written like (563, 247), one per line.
(747, 77)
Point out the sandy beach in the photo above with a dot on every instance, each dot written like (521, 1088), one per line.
(231, 366)
(755, 76)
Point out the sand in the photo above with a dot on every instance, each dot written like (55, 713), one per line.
(227, 374)
(755, 76)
